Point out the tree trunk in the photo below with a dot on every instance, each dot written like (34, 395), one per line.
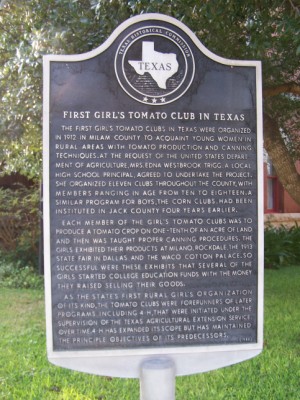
(281, 159)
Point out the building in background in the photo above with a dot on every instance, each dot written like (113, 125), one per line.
(276, 199)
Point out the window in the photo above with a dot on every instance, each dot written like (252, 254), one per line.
(272, 188)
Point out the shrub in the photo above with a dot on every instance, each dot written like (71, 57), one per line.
(20, 225)
(14, 275)
(282, 246)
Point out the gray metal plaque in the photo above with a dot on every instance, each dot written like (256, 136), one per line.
(153, 203)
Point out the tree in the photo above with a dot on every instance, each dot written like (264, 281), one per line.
(266, 30)
(28, 30)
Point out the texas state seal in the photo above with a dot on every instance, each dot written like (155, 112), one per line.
(154, 65)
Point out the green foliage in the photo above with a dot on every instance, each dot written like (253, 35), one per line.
(28, 30)
(282, 246)
(19, 238)
(20, 225)
(15, 275)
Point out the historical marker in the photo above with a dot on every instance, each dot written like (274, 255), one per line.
(153, 203)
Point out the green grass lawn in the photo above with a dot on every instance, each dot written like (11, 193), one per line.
(25, 372)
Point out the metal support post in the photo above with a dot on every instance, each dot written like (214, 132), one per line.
(157, 379)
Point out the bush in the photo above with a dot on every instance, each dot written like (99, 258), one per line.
(20, 225)
(282, 246)
(14, 275)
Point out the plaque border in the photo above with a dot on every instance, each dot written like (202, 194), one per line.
(189, 359)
